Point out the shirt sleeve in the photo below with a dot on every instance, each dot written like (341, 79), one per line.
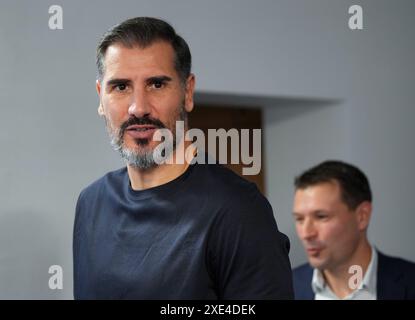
(247, 254)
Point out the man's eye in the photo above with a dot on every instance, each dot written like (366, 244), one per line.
(120, 87)
(157, 84)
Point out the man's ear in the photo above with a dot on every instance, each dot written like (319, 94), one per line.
(100, 107)
(101, 110)
(364, 212)
(190, 88)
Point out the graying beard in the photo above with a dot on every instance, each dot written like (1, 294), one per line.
(142, 161)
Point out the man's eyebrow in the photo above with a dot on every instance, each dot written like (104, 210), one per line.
(116, 81)
(113, 82)
(159, 79)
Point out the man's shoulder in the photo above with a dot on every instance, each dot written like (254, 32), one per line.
(233, 194)
(302, 278)
(303, 272)
(225, 180)
(396, 263)
(112, 177)
(395, 278)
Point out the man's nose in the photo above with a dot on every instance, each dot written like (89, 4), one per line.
(309, 230)
(139, 105)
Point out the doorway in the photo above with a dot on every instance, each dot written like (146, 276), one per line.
(206, 117)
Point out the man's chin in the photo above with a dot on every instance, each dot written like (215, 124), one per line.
(317, 262)
(139, 147)
(141, 160)
(138, 152)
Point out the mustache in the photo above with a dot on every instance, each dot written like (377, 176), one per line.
(140, 121)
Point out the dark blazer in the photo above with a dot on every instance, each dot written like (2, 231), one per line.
(395, 279)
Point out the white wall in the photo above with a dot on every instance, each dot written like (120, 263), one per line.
(53, 143)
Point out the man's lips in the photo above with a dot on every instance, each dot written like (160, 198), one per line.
(313, 251)
(144, 131)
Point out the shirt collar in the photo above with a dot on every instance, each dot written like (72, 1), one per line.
(369, 279)
(368, 283)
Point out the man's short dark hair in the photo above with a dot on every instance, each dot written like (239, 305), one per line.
(143, 32)
(353, 182)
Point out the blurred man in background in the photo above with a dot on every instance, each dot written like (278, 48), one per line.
(332, 210)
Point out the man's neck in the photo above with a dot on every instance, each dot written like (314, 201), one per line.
(160, 174)
(338, 279)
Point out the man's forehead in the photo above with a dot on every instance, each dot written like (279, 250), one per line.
(158, 56)
(317, 195)
(324, 187)
(155, 49)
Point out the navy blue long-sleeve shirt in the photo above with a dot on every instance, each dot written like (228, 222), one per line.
(208, 234)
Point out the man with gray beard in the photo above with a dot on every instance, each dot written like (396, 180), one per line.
(168, 230)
